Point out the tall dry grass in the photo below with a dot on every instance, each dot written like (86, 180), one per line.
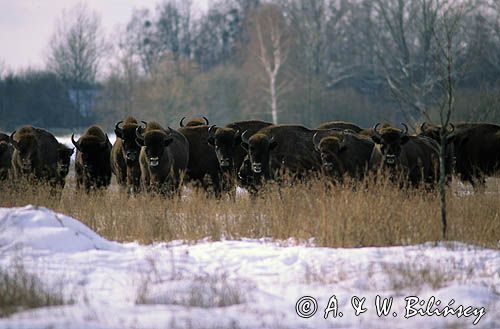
(353, 215)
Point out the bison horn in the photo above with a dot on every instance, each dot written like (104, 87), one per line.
(452, 128)
(405, 127)
(316, 140)
(145, 123)
(11, 139)
(170, 131)
(104, 143)
(245, 137)
(423, 126)
(237, 131)
(138, 133)
(181, 123)
(375, 130)
(117, 126)
(206, 120)
(212, 129)
(75, 142)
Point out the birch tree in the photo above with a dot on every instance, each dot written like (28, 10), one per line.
(270, 46)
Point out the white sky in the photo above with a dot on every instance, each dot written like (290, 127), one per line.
(26, 25)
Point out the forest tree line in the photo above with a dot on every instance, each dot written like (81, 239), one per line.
(304, 61)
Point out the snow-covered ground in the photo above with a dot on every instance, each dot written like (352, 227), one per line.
(241, 284)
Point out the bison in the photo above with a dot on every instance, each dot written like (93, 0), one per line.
(340, 125)
(92, 163)
(125, 155)
(476, 149)
(227, 142)
(64, 154)
(282, 148)
(194, 122)
(344, 153)
(163, 158)
(35, 154)
(415, 158)
(203, 167)
(6, 151)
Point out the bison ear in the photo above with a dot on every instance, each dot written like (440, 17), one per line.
(273, 144)
(168, 141)
(405, 139)
(376, 139)
(139, 142)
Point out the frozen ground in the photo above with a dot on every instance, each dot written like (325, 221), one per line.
(238, 284)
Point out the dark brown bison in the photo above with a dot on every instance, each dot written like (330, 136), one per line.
(476, 149)
(227, 142)
(340, 125)
(163, 158)
(344, 153)
(6, 151)
(125, 155)
(370, 132)
(64, 154)
(203, 168)
(194, 122)
(411, 158)
(92, 162)
(35, 154)
(282, 148)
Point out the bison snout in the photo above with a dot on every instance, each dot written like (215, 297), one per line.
(153, 162)
(390, 159)
(328, 166)
(226, 162)
(257, 168)
(131, 155)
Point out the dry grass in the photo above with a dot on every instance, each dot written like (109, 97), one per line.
(422, 273)
(365, 214)
(20, 291)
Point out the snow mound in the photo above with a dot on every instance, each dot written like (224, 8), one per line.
(41, 228)
(247, 283)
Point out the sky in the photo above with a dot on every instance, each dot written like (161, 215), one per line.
(26, 25)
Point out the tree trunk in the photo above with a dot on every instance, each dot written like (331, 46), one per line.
(442, 182)
(274, 102)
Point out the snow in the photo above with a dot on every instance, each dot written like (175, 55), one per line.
(238, 284)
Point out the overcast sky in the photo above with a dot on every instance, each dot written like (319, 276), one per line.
(26, 25)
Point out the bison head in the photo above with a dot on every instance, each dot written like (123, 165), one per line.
(63, 159)
(391, 141)
(194, 122)
(126, 132)
(27, 148)
(154, 142)
(225, 141)
(258, 147)
(330, 148)
(434, 132)
(92, 149)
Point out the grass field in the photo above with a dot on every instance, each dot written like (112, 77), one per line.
(356, 215)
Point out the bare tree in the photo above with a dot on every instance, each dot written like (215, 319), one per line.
(77, 46)
(446, 36)
(270, 46)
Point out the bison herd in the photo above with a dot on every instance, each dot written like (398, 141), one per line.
(148, 157)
